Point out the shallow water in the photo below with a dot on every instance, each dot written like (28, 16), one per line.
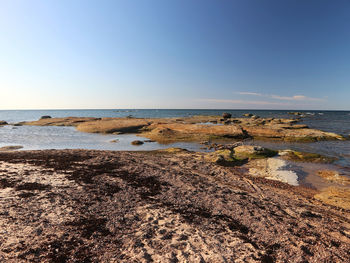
(52, 137)
(68, 137)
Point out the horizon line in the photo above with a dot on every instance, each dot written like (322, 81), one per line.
(62, 109)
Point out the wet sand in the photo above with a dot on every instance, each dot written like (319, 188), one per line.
(102, 206)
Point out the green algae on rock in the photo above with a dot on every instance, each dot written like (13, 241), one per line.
(253, 152)
(305, 157)
(239, 155)
(223, 157)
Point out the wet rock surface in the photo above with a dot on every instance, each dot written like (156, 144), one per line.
(162, 206)
(137, 142)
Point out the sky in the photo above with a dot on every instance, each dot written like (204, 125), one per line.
(189, 54)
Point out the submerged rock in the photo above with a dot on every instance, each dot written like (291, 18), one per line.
(334, 177)
(173, 150)
(305, 157)
(45, 117)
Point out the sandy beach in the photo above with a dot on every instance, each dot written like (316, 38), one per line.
(159, 206)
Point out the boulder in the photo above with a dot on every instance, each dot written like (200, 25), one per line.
(220, 156)
(3, 123)
(247, 114)
(226, 115)
(137, 142)
(45, 117)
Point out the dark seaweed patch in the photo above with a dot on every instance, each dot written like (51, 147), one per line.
(4, 183)
(26, 195)
(90, 225)
(33, 186)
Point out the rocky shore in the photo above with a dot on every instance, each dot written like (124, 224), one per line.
(160, 206)
(197, 128)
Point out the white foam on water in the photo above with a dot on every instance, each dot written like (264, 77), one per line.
(275, 169)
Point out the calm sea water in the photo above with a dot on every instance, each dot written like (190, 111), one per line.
(68, 138)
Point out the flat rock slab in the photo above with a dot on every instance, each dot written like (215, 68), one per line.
(10, 148)
(195, 128)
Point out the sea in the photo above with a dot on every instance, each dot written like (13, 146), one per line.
(37, 138)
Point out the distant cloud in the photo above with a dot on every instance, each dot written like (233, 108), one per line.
(278, 97)
(250, 93)
(246, 102)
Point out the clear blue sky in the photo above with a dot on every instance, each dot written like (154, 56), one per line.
(175, 54)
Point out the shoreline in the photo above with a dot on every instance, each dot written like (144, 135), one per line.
(171, 204)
